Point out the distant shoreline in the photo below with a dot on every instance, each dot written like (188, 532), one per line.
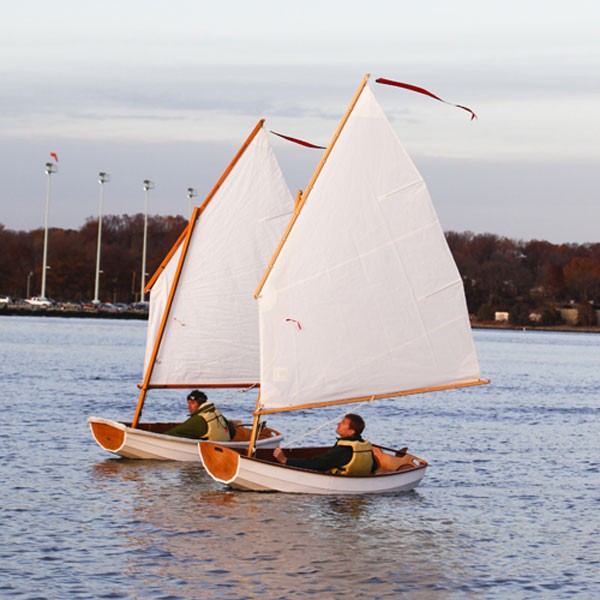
(569, 328)
(99, 313)
(78, 313)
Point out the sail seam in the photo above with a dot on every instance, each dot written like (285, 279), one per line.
(401, 189)
(439, 290)
(285, 214)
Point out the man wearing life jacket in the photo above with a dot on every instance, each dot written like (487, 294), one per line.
(205, 421)
(351, 455)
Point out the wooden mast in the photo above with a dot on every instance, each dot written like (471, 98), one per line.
(257, 412)
(187, 235)
(301, 201)
(167, 258)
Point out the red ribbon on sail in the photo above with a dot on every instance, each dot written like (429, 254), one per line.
(297, 141)
(296, 322)
(414, 88)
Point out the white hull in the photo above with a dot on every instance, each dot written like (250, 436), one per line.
(138, 443)
(241, 472)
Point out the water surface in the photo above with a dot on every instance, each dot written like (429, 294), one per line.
(508, 508)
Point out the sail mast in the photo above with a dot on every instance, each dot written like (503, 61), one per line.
(167, 258)
(188, 235)
(302, 200)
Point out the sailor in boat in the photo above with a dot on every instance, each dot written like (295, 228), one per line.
(205, 422)
(351, 455)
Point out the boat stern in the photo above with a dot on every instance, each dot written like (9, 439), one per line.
(110, 435)
(221, 463)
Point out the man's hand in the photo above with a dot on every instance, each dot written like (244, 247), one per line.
(279, 455)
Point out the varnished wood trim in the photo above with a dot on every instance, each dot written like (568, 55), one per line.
(166, 260)
(222, 463)
(369, 398)
(109, 437)
(161, 386)
(301, 201)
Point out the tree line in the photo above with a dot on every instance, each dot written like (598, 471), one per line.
(72, 258)
(525, 278)
(499, 274)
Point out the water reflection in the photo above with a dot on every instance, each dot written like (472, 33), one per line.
(184, 530)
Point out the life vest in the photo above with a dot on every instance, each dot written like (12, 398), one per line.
(361, 462)
(217, 425)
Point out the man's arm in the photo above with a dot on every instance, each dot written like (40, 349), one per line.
(336, 456)
(194, 428)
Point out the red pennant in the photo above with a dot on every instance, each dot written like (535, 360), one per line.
(414, 88)
(53, 154)
(297, 141)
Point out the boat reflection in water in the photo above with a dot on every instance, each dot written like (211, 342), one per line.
(191, 538)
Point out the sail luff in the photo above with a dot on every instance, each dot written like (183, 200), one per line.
(439, 388)
(166, 260)
(232, 164)
(304, 197)
(157, 341)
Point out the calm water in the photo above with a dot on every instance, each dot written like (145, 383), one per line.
(508, 509)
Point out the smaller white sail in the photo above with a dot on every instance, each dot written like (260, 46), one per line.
(211, 334)
(364, 298)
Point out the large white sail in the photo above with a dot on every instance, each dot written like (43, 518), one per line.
(211, 334)
(365, 298)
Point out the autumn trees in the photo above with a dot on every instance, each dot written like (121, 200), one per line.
(499, 274)
(522, 278)
(72, 257)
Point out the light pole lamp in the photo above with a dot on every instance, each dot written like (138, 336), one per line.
(102, 179)
(148, 185)
(50, 168)
(191, 192)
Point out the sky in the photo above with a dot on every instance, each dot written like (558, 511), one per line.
(169, 90)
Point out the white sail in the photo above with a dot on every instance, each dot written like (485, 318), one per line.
(365, 298)
(211, 334)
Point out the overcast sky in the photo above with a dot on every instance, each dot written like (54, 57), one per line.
(168, 91)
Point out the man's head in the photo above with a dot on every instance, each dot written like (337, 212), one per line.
(350, 426)
(195, 400)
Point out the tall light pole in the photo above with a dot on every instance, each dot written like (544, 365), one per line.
(148, 185)
(28, 281)
(102, 179)
(191, 192)
(50, 168)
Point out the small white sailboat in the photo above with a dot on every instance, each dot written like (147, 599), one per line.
(362, 300)
(203, 327)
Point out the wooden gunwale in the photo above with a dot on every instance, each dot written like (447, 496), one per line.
(271, 461)
(187, 237)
